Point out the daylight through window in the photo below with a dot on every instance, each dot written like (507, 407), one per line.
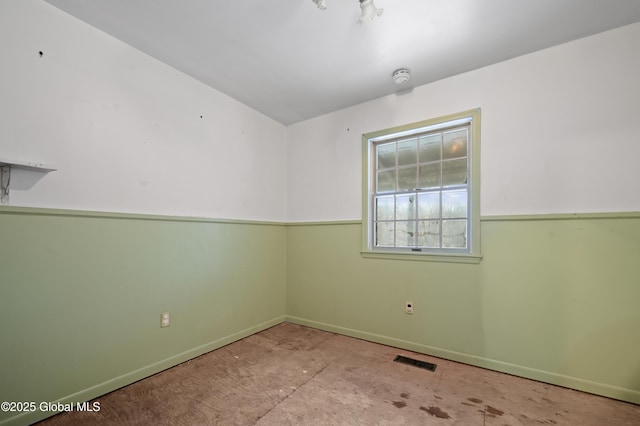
(421, 187)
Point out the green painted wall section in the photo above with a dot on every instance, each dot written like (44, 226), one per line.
(555, 299)
(81, 297)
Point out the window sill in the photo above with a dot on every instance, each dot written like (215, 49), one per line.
(424, 257)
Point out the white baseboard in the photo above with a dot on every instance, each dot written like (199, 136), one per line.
(133, 376)
(602, 389)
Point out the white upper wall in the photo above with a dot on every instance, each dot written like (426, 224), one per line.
(124, 130)
(559, 133)
(559, 130)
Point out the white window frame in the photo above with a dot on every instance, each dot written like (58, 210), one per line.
(471, 254)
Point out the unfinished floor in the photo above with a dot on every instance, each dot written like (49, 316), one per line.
(295, 375)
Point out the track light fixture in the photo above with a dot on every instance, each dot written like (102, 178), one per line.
(369, 9)
(322, 5)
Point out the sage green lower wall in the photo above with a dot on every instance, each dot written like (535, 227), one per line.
(81, 296)
(555, 298)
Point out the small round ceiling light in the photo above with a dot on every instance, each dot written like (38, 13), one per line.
(401, 76)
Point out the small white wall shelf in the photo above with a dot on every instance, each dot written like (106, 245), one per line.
(5, 174)
(27, 165)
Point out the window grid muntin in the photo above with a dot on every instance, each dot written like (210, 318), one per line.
(440, 219)
(442, 188)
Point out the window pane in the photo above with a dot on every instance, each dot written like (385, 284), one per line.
(454, 204)
(407, 178)
(429, 175)
(429, 206)
(384, 234)
(419, 190)
(386, 154)
(454, 144)
(386, 181)
(430, 148)
(384, 208)
(454, 172)
(429, 233)
(454, 233)
(405, 207)
(407, 152)
(405, 234)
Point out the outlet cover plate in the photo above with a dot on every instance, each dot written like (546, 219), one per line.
(165, 319)
(408, 307)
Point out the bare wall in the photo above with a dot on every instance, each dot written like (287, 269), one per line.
(127, 132)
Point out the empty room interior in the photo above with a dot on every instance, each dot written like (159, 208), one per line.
(323, 181)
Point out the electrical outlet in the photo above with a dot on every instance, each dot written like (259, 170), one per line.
(408, 307)
(165, 319)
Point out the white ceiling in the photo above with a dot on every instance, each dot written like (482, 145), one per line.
(292, 61)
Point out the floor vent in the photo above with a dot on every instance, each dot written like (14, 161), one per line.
(415, 363)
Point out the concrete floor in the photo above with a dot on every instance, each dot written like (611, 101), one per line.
(294, 375)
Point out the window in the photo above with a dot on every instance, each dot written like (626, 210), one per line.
(421, 197)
